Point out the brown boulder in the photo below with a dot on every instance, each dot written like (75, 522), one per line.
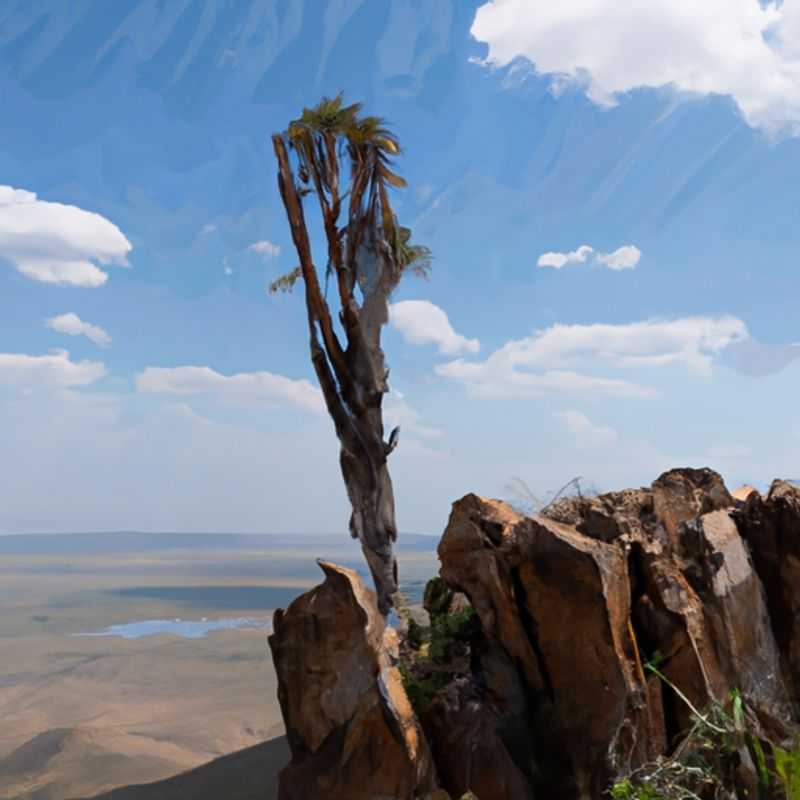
(350, 727)
(557, 603)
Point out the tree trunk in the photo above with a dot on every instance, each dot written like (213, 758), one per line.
(372, 522)
(353, 382)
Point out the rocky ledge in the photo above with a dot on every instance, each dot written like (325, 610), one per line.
(593, 631)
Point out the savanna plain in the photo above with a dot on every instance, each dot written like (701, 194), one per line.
(128, 658)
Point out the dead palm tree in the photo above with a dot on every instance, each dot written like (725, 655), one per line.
(345, 161)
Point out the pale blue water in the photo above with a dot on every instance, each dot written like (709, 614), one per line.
(188, 629)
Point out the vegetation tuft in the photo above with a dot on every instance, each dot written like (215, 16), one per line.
(720, 758)
(433, 655)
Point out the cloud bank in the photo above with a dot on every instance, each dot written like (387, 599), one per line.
(548, 361)
(55, 370)
(744, 49)
(57, 243)
(244, 388)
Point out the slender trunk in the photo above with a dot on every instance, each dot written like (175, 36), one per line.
(353, 382)
(372, 522)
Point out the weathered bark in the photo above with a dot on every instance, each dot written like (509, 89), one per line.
(352, 379)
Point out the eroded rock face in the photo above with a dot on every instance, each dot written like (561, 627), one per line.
(771, 527)
(350, 727)
(555, 698)
(557, 603)
(577, 605)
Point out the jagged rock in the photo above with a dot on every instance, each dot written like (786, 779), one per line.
(350, 727)
(735, 611)
(682, 494)
(771, 527)
(555, 697)
(557, 602)
(578, 604)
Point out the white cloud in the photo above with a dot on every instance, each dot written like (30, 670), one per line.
(265, 248)
(422, 322)
(558, 260)
(72, 325)
(53, 370)
(208, 229)
(584, 431)
(744, 49)
(495, 379)
(398, 412)
(625, 257)
(545, 362)
(244, 388)
(57, 243)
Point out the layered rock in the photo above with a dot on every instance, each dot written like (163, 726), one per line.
(350, 727)
(575, 607)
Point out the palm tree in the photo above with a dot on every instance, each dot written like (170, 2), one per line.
(345, 161)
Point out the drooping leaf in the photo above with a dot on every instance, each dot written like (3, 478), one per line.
(286, 282)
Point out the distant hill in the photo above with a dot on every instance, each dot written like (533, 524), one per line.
(58, 544)
(68, 759)
(250, 774)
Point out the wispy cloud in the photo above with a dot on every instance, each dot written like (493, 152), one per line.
(584, 431)
(244, 388)
(625, 257)
(72, 325)
(265, 248)
(55, 369)
(548, 360)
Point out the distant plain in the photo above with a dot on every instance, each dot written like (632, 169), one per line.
(84, 714)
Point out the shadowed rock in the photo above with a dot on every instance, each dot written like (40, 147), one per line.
(350, 727)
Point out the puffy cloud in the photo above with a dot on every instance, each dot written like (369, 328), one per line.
(625, 257)
(265, 248)
(57, 243)
(244, 388)
(72, 325)
(553, 354)
(53, 370)
(558, 260)
(584, 431)
(422, 322)
(744, 49)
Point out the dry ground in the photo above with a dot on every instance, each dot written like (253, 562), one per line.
(83, 715)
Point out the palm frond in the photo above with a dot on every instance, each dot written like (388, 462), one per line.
(286, 282)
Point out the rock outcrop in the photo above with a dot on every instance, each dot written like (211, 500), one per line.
(575, 608)
(350, 727)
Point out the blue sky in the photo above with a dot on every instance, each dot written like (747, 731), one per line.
(611, 199)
